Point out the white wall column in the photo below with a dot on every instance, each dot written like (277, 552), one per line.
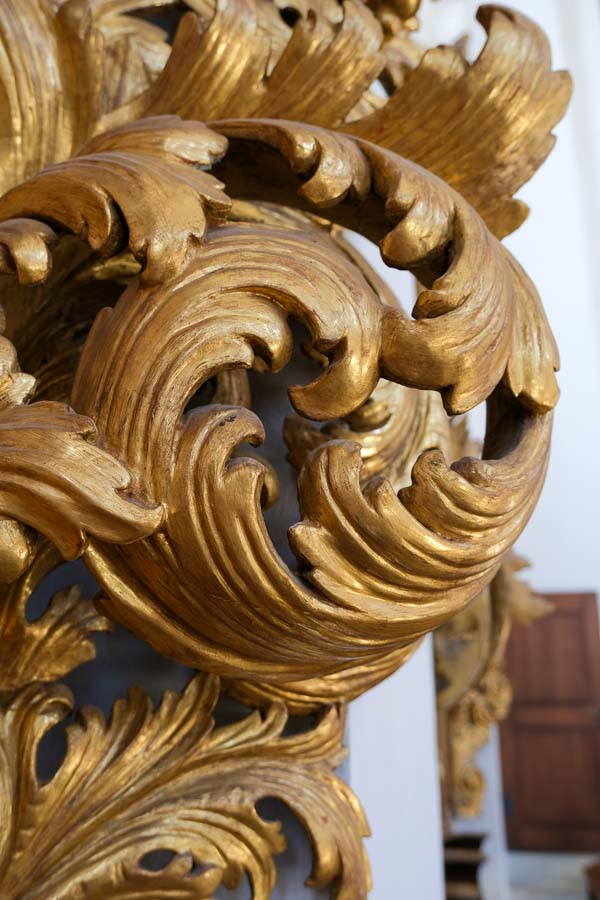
(394, 770)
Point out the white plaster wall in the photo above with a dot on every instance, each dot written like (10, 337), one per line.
(394, 770)
(559, 246)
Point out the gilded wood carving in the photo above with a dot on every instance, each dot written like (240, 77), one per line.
(168, 208)
(473, 689)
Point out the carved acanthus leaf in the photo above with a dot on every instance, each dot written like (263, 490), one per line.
(469, 730)
(514, 600)
(272, 71)
(438, 517)
(160, 344)
(534, 355)
(152, 486)
(138, 186)
(25, 248)
(164, 779)
(484, 128)
(63, 65)
(44, 488)
(280, 72)
(392, 427)
(473, 690)
(100, 67)
(55, 643)
(56, 478)
(387, 569)
(387, 558)
(15, 386)
(462, 339)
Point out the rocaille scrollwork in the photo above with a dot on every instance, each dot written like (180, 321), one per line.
(167, 212)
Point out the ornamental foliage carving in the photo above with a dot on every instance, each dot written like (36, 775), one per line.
(178, 181)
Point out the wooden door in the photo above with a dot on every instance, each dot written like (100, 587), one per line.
(551, 740)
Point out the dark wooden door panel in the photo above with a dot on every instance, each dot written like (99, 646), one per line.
(551, 740)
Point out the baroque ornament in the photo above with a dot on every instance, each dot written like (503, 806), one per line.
(474, 692)
(168, 208)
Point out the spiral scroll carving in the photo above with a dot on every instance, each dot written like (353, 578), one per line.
(171, 218)
(377, 569)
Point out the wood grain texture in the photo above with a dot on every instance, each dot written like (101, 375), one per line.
(551, 740)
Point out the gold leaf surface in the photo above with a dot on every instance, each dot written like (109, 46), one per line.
(166, 779)
(483, 127)
(138, 187)
(25, 248)
(73, 68)
(55, 643)
(468, 323)
(57, 479)
(366, 556)
(64, 65)
(312, 694)
(264, 76)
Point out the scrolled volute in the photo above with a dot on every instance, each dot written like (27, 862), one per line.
(377, 569)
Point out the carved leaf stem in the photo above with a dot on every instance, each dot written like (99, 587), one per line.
(165, 779)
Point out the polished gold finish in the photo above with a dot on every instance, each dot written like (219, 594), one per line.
(497, 114)
(167, 210)
(154, 779)
(54, 644)
(364, 572)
